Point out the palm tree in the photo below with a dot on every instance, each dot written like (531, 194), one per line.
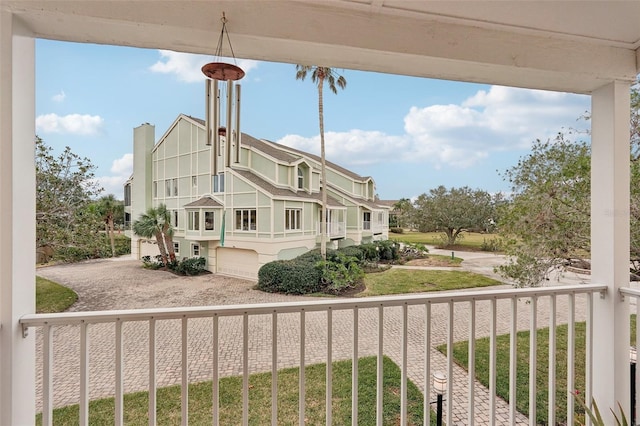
(156, 222)
(107, 207)
(319, 75)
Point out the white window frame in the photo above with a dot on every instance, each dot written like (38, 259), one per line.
(174, 218)
(218, 183)
(293, 219)
(194, 182)
(300, 178)
(176, 247)
(175, 186)
(213, 222)
(247, 214)
(193, 220)
(195, 250)
(155, 189)
(167, 188)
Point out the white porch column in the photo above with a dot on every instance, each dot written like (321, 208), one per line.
(17, 220)
(610, 244)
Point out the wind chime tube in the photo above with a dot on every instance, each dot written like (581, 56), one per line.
(229, 131)
(207, 110)
(237, 132)
(215, 120)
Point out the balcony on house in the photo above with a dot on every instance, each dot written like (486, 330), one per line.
(333, 230)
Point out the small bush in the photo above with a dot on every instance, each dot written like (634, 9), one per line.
(154, 262)
(289, 277)
(494, 244)
(349, 251)
(388, 250)
(340, 274)
(397, 230)
(189, 266)
(370, 252)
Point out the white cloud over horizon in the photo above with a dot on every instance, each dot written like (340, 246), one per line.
(77, 124)
(187, 66)
(457, 135)
(121, 170)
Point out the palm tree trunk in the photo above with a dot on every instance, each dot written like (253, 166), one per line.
(161, 247)
(112, 237)
(169, 242)
(323, 174)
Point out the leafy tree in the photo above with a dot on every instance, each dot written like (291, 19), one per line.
(156, 223)
(405, 212)
(548, 219)
(318, 76)
(65, 187)
(453, 211)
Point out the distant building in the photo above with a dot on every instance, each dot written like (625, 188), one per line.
(243, 206)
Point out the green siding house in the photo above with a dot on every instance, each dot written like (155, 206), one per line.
(241, 211)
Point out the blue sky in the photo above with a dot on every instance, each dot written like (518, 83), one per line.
(411, 134)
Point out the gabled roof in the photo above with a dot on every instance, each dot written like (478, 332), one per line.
(284, 192)
(203, 202)
(373, 205)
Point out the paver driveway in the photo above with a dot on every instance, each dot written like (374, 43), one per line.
(123, 284)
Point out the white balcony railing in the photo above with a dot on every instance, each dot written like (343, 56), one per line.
(373, 227)
(334, 229)
(272, 336)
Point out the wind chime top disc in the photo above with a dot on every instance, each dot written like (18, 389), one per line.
(222, 71)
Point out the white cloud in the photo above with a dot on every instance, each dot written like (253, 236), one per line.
(71, 124)
(187, 66)
(59, 97)
(121, 170)
(458, 135)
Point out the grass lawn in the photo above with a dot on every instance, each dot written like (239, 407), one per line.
(200, 399)
(460, 354)
(469, 240)
(52, 297)
(398, 281)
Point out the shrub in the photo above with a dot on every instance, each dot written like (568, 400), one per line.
(349, 251)
(494, 244)
(369, 252)
(397, 230)
(340, 274)
(410, 251)
(155, 262)
(388, 250)
(189, 266)
(289, 276)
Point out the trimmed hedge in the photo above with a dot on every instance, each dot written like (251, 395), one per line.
(290, 277)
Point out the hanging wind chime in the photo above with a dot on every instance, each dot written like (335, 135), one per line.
(215, 72)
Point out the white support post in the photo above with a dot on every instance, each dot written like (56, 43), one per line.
(610, 245)
(17, 223)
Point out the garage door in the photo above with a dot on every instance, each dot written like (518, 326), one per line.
(238, 263)
(148, 248)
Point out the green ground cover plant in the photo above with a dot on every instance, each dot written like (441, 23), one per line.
(52, 297)
(200, 399)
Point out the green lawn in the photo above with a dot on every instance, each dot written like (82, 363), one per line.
(469, 240)
(460, 353)
(52, 297)
(399, 281)
(200, 399)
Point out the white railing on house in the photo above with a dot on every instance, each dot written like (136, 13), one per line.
(405, 328)
(374, 227)
(334, 229)
(634, 295)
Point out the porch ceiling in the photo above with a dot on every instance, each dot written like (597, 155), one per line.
(562, 45)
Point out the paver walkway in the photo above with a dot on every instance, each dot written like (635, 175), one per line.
(122, 284)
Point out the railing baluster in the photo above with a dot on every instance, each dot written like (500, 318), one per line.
(404, 367)
(301, 389)
(215, 381)
(492, 362)
(329, 369)
(47, 375)
(533, 365)
(245, 369)
(571, 355)
(354, 368)
(472, 363)
(588, 392)
(152, 372)
(119, 397)
(274, 368)
(513, 360)
(185, 373)
(552, 360)
(380, 368)
(450, 365)
(637, 376)
(84, 374)
(427, 364)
